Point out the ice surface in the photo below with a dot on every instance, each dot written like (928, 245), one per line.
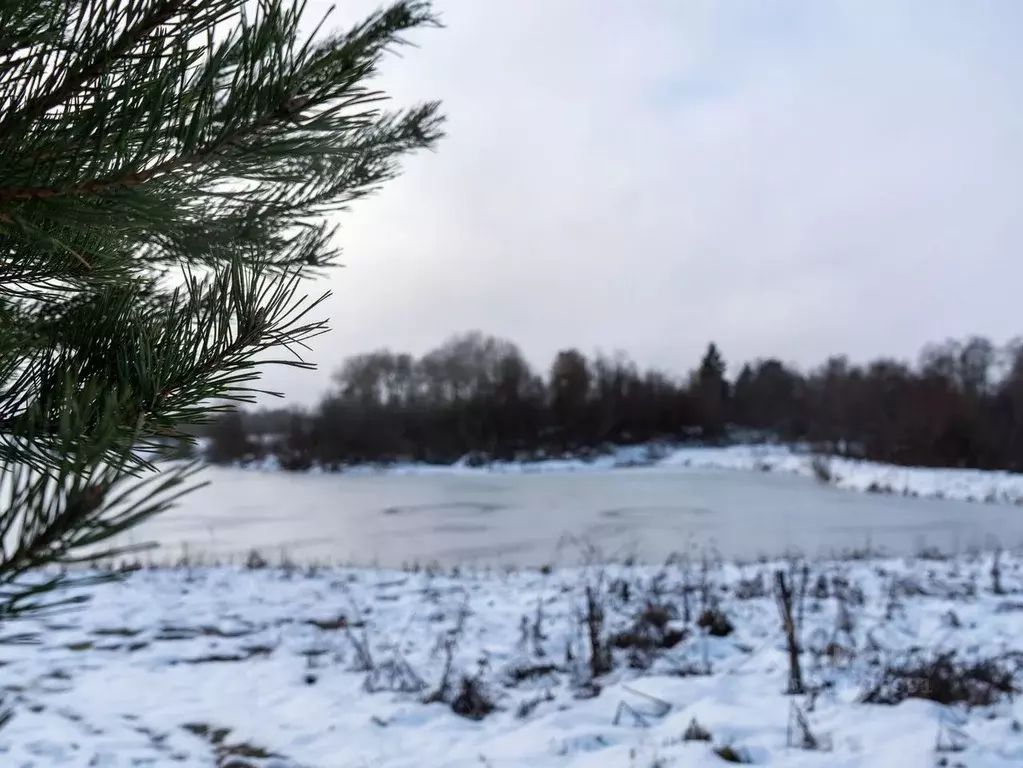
(945, 483)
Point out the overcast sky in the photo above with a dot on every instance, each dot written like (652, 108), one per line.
(787, 178)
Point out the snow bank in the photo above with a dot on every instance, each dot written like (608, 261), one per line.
(316, 669)
(957, 484)
(620, 458)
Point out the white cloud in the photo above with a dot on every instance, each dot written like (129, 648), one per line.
(786, 178)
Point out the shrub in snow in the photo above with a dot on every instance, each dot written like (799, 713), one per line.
(696, 732)
(715, 622)
(945, 679)
(472, 701)
(394, 674)
(731, 754)
(516, 674)
(752, 588)
(650, 632)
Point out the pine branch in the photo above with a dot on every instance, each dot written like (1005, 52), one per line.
(75, 79)
(129, 146)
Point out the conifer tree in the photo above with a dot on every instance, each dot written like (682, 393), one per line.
(165, 171)
(712, 392)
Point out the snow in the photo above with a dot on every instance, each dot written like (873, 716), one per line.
(849, 474)
(217, 666)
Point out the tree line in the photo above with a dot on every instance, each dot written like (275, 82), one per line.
(959, 405)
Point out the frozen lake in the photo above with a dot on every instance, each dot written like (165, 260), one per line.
(520, 518)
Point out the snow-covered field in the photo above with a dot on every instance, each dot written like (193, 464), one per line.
(253, 668)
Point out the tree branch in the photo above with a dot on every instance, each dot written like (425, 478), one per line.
(134, 179)
(75, 79)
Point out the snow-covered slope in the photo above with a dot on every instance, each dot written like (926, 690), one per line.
(329, 669)
(958, 484)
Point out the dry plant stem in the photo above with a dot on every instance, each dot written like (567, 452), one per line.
(784, 596)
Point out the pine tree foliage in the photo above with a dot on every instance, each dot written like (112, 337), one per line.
(165, 171)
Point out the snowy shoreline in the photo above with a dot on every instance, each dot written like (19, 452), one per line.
(848, 474)
(317, 668)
